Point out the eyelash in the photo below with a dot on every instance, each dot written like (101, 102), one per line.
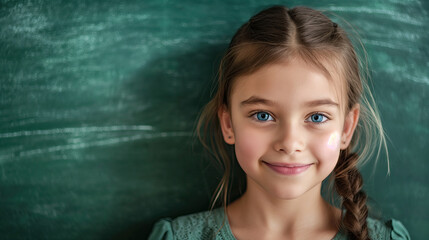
(321, 114)
(253, 115)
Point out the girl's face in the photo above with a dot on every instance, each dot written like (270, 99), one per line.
(287, 126)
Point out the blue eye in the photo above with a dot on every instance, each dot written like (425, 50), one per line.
(263, 116)
(318, 118)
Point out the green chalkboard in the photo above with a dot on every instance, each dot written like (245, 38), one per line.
(98, 102)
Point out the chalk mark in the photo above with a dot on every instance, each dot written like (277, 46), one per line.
(76, 130)
(104, 142)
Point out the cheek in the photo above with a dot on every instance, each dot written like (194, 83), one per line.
(327, 148)
(248, 145)
(334, 141)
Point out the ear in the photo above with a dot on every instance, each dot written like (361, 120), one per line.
(350, 123)
(226, 125)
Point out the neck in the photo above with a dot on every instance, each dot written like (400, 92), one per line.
(258, 209)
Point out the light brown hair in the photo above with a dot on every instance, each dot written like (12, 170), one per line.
(278, 34)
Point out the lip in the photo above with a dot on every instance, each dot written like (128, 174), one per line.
(288, 168)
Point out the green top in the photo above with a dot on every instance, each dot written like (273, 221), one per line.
(205, 225)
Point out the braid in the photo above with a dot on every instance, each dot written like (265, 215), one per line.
(348, 184)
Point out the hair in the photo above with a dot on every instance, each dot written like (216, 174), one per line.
(278, 34)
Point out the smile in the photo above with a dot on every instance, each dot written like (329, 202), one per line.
(288, 169)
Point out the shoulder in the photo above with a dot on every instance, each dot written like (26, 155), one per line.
(203, 225)
(391, 229)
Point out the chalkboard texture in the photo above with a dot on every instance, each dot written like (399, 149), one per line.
(98, 102)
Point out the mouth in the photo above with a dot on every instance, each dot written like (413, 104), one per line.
(287, 168)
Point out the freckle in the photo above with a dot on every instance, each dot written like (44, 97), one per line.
(333, 141)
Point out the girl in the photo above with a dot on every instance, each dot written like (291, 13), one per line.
(290, 109)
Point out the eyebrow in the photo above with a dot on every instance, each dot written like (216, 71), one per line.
(254, 100)
(320, 102)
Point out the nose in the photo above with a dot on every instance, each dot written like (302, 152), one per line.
(289, 139)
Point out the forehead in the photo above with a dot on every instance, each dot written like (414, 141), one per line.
(289, 81)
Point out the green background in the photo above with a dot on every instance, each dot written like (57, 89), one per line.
(98, 102)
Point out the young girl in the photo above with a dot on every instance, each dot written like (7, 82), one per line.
(291, 108)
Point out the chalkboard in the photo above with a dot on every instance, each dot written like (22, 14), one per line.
(99, 99)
